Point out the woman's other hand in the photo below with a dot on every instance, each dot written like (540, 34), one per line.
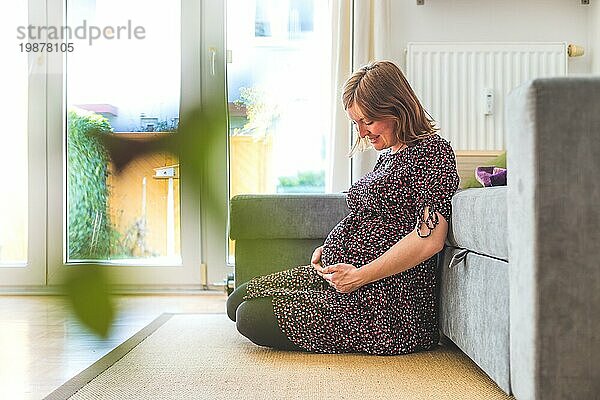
(344, 278)
(316, 257)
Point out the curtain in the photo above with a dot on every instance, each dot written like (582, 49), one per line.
(341, 68)
(361, 33)
(370, 42)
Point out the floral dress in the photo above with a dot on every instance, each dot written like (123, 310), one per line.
(394, 315)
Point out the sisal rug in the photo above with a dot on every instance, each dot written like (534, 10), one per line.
(201, 356)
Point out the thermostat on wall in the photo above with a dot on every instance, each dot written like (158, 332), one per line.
(488, 101)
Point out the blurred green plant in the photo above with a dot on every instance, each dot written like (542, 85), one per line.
(303, 178)
(87, 287)
(90, 233)
(133, 241)
(161, 126)
(88, 292)
(261, 114)
(166, 126)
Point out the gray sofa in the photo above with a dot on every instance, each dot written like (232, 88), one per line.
(519, 277)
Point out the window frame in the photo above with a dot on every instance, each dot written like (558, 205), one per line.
(33, 271)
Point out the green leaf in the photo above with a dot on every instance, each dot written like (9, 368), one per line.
(193, 142)
(88, 292)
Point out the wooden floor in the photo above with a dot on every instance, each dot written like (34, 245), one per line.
(42, 346)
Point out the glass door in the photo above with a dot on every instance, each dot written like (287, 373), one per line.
(127, 87)
(123, 80)
(279, 95)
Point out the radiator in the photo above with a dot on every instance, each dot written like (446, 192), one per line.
(463, 85)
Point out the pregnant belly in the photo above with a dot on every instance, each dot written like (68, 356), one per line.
(359, 242)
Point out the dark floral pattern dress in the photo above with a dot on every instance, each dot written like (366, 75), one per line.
(397, 314)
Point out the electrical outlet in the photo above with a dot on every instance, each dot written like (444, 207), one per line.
(585, 2)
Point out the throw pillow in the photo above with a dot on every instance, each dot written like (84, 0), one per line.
(499, 161)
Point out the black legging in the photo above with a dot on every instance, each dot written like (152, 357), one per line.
(256, 320)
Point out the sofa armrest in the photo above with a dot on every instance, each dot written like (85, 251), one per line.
(279, 231)
(553, 147)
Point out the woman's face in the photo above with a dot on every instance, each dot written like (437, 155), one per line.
(380, 133)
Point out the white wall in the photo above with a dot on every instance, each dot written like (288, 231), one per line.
(496, 21)
(595, 36)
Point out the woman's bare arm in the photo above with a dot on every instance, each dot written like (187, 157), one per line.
(408, 252)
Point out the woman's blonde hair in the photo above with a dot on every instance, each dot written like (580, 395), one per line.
(382, 92)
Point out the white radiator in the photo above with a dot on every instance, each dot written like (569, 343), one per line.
(463, 85)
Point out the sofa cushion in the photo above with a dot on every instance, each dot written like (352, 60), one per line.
(479, 221)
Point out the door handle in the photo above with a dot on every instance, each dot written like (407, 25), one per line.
(213, 58)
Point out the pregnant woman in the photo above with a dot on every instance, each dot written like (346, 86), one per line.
(371, 287)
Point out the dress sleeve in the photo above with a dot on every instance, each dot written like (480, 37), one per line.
(435, 182)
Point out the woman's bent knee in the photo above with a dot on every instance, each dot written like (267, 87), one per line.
(249, 320)
(256, 320)
(235, 299)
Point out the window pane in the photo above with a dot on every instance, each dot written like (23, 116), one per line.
(128, 86)
(13, 138)
(279, 82)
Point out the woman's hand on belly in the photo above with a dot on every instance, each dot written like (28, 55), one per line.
(345, 278)
(316, 256)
